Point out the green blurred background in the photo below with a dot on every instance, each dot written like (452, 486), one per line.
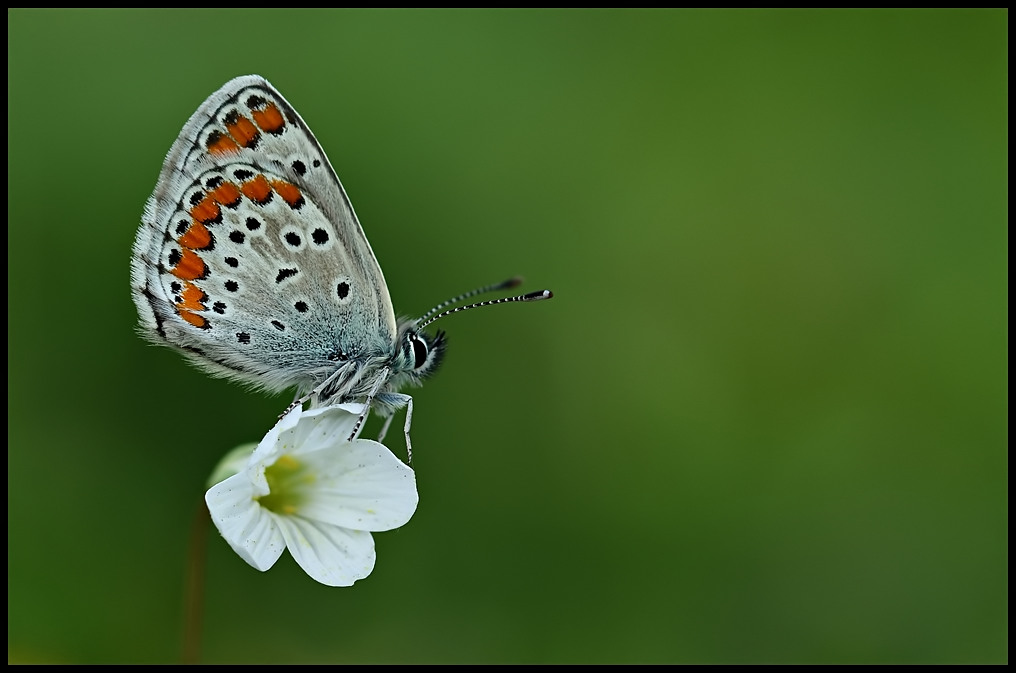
(763, 420)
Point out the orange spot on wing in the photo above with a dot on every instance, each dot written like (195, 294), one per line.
(194, 319)
(227, 194)
(243, 131)
(189, 267)
(257, 189)
(206, 211)
(269, 119)
(219, 144)
(197, 237)
(192, 298)
(289, 192)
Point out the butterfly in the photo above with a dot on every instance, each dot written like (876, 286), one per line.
(251, 262)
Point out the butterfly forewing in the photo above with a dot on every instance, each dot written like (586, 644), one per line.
(250, 257)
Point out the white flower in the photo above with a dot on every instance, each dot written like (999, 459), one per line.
(307, 488)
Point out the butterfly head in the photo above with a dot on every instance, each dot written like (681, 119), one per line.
(418, 354)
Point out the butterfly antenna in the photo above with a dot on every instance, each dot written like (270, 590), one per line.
(532, 296)
(503, 285)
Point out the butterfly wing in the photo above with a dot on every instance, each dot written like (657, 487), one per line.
(249, 258)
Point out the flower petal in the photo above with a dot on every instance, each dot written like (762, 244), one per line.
(321, 427)
(329, 554)
(246, 526)
(360, 485)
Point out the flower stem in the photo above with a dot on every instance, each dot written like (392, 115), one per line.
(194, 589)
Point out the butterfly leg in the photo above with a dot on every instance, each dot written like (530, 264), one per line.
(384, 429)
(296, 403)
(316, 392)
(382, 377)
(397, 401)
(409, 422)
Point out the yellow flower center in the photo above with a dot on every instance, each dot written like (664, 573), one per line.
(287, 482)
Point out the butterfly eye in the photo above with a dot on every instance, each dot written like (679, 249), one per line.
(420, 351)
